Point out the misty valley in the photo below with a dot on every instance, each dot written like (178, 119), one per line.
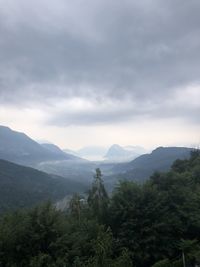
(22, 159)
(131, 208)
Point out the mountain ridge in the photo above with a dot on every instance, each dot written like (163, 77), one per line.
(118, 153)
(20, 148)
(160, 159)
(22, 186)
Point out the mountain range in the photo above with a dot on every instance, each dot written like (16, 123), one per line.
(19, 148)
(114, 153)
(21, 186)
(145, 165)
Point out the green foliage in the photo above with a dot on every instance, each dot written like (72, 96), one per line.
(24, 187)
(32, 237)
(156, 224)
(162, 263)
(102, 249)
(98, 197)
(151, 219)
(124, 260)
(75, 206)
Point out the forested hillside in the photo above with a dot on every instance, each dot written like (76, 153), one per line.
(145, 165)
(155, 224)
(23, 187)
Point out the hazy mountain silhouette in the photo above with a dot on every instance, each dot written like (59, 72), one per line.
(145, 165)
(19, 148)
(56, 150)
(121, 154)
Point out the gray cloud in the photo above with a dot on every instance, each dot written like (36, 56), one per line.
(137, 50)
(102, 117)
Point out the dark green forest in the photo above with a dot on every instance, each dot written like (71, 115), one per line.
(139, 225)
(23, 187)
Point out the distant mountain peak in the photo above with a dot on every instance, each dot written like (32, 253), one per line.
(120, 154)
(116, 147)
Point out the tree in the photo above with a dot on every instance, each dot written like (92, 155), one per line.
(189, 249)
(75, 206)
(98, 198)
(154, 224)
(124, 260)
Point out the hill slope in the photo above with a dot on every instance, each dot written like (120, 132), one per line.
(160, 158)
(19, 148)
(23, 186)
(144, 166)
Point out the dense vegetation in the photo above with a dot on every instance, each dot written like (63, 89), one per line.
(22, 187)
(154, 224)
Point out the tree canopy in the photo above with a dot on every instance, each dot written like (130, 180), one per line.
(154, 224)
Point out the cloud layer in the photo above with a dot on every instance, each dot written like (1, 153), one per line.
(119, 59)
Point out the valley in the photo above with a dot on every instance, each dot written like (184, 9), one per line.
(54, 174)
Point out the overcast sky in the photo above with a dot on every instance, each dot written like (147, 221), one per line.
(98, 72)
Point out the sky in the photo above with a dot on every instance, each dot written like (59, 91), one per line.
(98, 72)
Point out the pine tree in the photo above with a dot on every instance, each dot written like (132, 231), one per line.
(98, 197)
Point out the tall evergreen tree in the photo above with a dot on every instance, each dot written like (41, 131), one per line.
(98, 197)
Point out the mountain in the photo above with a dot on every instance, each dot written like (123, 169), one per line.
(57, 151)
(160, 159)
(141, 168)
(19, 148)
(69, 151)
(121, 154)
(22, 187)
(115, 153)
